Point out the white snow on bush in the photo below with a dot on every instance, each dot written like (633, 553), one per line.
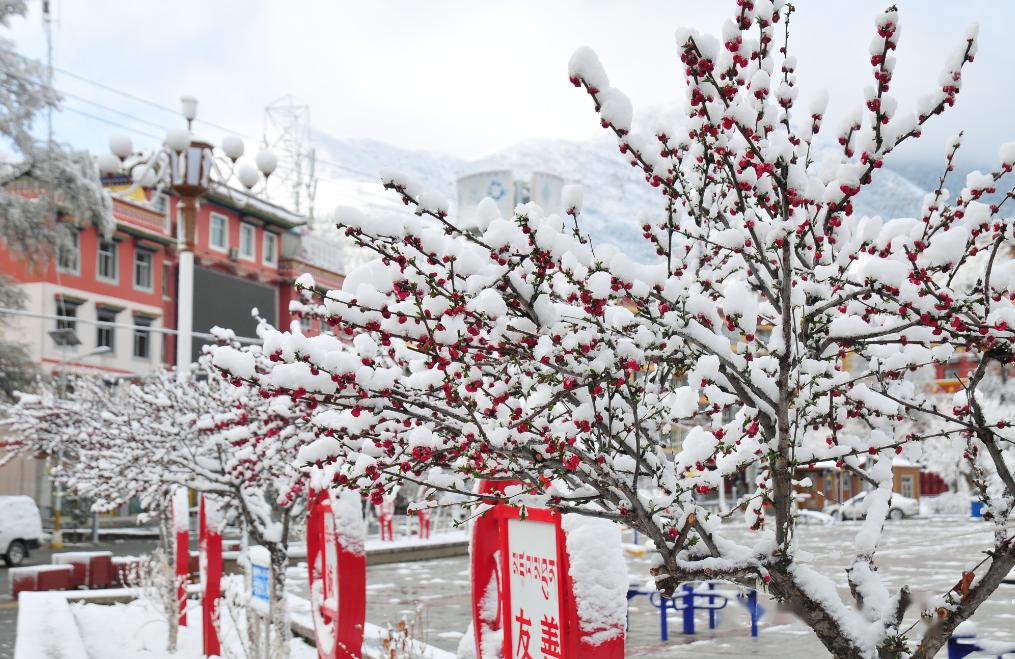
(599, 574)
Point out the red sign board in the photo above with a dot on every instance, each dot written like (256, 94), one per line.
(337, 565)
(522, 590)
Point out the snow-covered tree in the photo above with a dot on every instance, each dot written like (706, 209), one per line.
(233, 444)
(206, 433)
(950, 450)
(105, 450)
(776, 324)
(41, 183)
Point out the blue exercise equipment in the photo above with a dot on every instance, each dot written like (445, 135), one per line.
(962, 644)
(704, 597)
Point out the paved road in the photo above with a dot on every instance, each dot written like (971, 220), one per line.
(8, 607)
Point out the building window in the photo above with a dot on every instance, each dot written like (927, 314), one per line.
(67, 310)
(247, 236)
(143, 262)
(69, 254)
(306, 324)
(142, 337)
(105, 333)
(107, 260)
(270, 248)
(219, 238)
(906, 483)
(165, 279)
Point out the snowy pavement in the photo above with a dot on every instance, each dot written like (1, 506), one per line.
(929, 553)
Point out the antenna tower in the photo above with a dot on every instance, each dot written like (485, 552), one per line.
(287, 134)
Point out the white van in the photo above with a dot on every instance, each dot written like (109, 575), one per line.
(20, 528)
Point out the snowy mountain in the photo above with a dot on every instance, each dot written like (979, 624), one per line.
(615, 193)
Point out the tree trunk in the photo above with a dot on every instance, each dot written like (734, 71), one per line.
(279, 616)
(167, 579)
(813, 614)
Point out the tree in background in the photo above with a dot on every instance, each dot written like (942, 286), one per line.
(776, 324)
(41, 183)
(227, 442)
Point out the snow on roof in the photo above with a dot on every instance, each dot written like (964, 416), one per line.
(830, 464)
(323, 253)
(253, 202)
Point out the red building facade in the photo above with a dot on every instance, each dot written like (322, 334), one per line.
(109, 304)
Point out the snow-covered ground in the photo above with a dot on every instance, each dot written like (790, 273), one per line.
(136, 630)
(929, 553)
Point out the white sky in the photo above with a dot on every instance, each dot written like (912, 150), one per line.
(471, 77)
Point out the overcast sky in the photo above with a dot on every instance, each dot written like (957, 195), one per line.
(469, 78)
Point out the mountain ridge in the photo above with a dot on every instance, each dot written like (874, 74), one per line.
(615, 194)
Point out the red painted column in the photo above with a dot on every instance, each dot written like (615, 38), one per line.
(484, 543)
(181, 524)
(336, 562)
(211, 576)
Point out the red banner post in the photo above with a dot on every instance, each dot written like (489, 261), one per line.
(336, 562)
(423, 515)
(385, 518)
(211, 575)
(484, 543)
(181, 525)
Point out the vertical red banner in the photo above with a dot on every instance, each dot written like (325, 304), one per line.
(181, 525)
(484, 543)
(336, 562)
(211, 575)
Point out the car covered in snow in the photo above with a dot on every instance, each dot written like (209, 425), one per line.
(20, 528)
(856, 507)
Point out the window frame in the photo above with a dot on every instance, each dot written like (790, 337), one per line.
(75, 236)
(276, 241)
(62, 306)
(138, 251)
(252, 231)
(166, 276)
(904, 480)
(212, 218)
(115, 260)
(106, 326)
(142, 336)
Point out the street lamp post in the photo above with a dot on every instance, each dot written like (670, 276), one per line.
(188, 168)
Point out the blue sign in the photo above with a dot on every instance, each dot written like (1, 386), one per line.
(260, 588)
(496, 190)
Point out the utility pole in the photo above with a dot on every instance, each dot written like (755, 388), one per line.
(47, 26)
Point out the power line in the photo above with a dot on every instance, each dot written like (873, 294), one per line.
(101, 323)
(76, 97)
(145, 101)
(120, 92)
(110, 122)
(139, 99)
(159, 106)
(109, 109)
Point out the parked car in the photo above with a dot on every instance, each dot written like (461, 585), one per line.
(856, 507)
(20, 528)
(804, 516)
